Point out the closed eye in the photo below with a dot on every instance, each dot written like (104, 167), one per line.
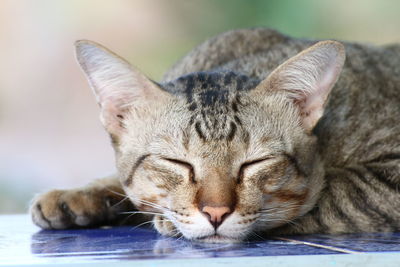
(185, 165)
(247, 164)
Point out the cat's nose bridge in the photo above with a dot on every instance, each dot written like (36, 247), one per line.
(216, 191)
(216, 197)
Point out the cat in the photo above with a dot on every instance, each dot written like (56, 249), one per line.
(251, 133)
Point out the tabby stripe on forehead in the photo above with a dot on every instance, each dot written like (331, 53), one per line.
(232, 131)
(128, 181)
(189, 89)
(237, 120)
(199, 131)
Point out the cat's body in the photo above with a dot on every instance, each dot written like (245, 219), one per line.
(344, 180)
(359, 135)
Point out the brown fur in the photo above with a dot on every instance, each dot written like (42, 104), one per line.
(249, 120)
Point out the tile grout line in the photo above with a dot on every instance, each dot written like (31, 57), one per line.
(343, 250)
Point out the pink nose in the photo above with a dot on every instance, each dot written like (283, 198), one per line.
(216, 215)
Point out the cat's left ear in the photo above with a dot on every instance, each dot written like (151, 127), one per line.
(308, 78)
(117, 85)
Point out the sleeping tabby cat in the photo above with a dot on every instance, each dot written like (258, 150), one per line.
(252, 132)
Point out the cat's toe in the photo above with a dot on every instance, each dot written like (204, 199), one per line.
(38, 217)
(49, 212)
(60, 209)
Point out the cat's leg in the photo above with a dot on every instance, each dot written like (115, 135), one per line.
(357, 198)
(100, 202)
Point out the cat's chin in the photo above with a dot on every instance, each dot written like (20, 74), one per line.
(217, 239)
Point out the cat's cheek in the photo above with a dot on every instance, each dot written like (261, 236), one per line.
(278, 210)
(143, 192)
(236, 226)
(164, 226)
(283, 202)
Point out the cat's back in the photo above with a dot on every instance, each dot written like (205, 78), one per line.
(230, 50)
(362, 116)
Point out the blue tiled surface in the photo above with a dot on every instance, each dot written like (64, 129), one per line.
(23, 243)
(129, 243)
(367, 242)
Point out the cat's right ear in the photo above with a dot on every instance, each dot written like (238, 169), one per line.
(118, 86)
(307, 79)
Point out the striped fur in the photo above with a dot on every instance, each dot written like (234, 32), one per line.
(231, 125)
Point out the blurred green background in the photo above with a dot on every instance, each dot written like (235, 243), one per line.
(50, 135)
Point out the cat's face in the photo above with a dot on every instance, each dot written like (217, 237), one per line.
(222, 147)
(217, 156)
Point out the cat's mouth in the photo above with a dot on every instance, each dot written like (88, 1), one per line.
(216, 238)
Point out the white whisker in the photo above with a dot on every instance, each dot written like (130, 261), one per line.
(117, 193)
(142, 212)
(137, 226)
(152, 204)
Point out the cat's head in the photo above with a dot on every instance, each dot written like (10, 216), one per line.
(217, 156)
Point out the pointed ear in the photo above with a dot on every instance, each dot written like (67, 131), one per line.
(308, 78)
(116, 84)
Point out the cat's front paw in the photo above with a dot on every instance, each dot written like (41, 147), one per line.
(164, 226)
(60, 209)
